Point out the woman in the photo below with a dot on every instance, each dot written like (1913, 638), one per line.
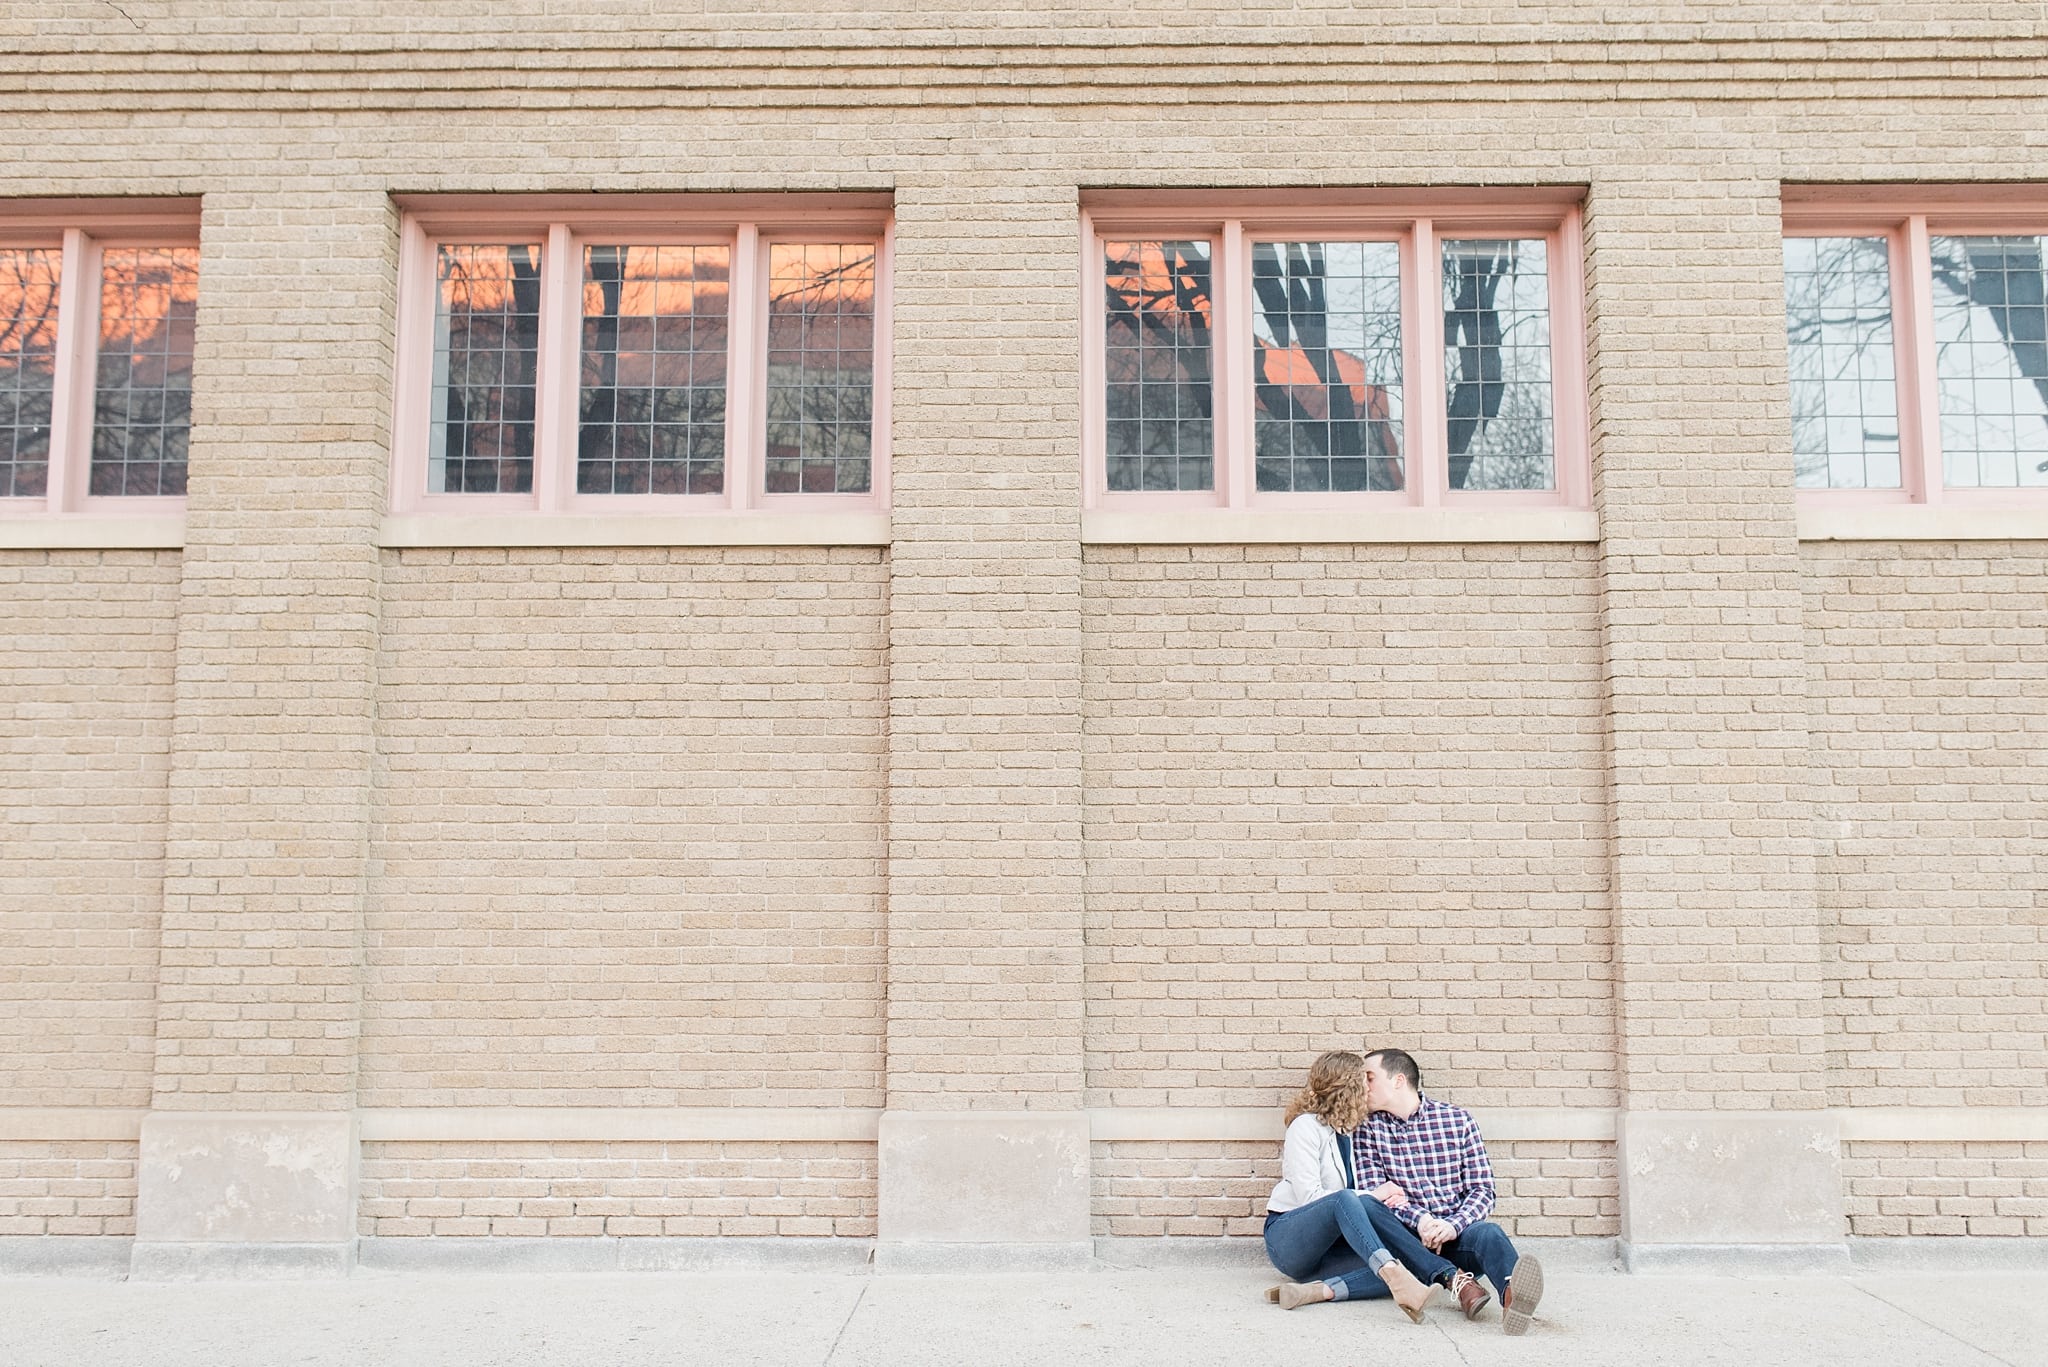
(1319, 1232)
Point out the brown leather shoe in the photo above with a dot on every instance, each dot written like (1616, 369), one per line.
(1518, 1299)
(1472, 1297)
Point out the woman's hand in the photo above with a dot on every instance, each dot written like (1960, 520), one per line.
(1389, 1195)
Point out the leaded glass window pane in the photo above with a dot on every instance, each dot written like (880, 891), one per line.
(142, 390)
(1840, 363)
(1991, 361)
(821, 367)
(1326, 366)
(1159, 368)
(486, 353)
(28, 367)
(1497, 394)
(651, 415)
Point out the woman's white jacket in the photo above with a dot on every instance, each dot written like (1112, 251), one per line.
(1311, 1165)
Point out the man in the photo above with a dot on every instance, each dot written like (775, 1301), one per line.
(1423, 1159)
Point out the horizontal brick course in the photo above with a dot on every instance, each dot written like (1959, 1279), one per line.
(625, 1190)
(1547, 1189)
(66, 1189)
(1947, 1189)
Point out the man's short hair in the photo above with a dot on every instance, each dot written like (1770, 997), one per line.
(1400, 1063)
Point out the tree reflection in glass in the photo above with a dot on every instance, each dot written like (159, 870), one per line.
(1158, 366)
(28, 367)
(821, 367)
(1326, 366)
(1838, 334)
(486, 352)
(142, 392)
(651, 411)
(1991, 361)
(1497, 400)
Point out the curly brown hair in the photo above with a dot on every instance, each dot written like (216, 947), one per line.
(1335, 1093)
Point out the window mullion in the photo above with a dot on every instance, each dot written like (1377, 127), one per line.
(554, 438)
(1232, 329)
(745, 372)
(1429, 461)
(1571, 425)
(1919, 411)
(78, 316)
(413, 391)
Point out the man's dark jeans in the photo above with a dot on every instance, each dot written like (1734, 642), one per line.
(1484, 1250)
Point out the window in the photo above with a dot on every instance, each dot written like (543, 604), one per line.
(1917, 345)
(97, 309)
(1364, 355)
(661, 354)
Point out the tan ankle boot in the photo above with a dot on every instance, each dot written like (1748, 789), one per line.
(1410, 1293)
(1294, 1296)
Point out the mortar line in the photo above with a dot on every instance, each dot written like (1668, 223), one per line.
(1945, 1332)
(830, 1352)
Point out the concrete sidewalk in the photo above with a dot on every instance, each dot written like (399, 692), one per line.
(1185, 1318)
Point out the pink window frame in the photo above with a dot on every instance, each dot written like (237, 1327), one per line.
(1908, 217)
(749, 224)
(1233, 221)
(82, 230)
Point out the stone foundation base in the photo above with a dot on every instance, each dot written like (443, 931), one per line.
(1696, 1185)
(981, 1190)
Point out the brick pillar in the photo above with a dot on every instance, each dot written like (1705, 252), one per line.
(984, 1142)
(248, 1154)
(1725, 1139)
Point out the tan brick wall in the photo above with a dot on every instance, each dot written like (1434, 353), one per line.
(1184, 1188)
(307, 837)
(628, 846)
(86, 642)
(1929, 680)
(1345, 795)
(1947, 1189)
(66, 1188)
(985, 994)
(1716, 927)
(618, 1189)
(258, 1002)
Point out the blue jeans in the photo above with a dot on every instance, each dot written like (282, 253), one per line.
(1484, 1250)
(1329, 1240)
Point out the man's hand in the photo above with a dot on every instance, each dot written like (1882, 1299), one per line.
(1387, 1194)
(1434, 1233)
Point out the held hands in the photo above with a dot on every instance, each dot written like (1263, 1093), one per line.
(1434, 1233)
(1389, 1195)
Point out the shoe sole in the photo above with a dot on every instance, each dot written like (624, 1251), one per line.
(1527, 1284)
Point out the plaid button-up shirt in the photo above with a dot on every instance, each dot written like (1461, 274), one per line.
(1435, 1155)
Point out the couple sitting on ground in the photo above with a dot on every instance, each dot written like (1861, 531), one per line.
(1383, 1192)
